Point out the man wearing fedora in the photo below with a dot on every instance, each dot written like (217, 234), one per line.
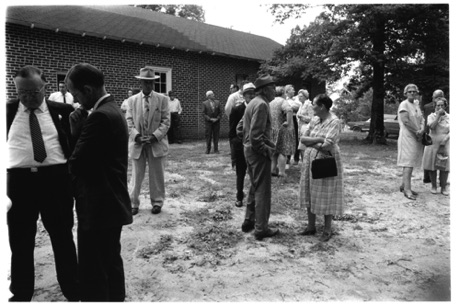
(148, 121)
(258, 150)
(236, 143)
(212, 115)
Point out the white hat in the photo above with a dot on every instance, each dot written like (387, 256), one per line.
(208, 93)
(147, 73)
(247, 87)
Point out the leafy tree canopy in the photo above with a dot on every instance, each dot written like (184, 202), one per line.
(188, 11)
(394, 44)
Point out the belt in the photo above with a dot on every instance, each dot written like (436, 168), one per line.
(41, 170)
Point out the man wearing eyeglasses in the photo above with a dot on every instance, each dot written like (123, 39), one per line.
(38, 144)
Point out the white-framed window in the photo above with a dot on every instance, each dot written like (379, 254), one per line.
(164, 84)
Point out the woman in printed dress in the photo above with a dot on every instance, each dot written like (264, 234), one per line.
(304, 116)
(410, 148)
(438, 122)
(321, 196)
(282, 132)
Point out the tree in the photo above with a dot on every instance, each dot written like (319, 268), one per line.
(394, 45)
(188, 11)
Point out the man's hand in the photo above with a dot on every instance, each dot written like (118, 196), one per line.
(77, 118)
(153, 139)
(138, 139)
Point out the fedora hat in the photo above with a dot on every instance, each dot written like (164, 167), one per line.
(263, 81)
(147, 73)
(248, 87)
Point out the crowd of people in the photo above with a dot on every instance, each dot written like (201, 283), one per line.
(415, 125)
(83, 151)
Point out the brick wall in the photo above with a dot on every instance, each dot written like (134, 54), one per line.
(192, 73)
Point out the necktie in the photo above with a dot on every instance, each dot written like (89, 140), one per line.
(212, 106)
(37, 139)
(64, 98)
(146, 112)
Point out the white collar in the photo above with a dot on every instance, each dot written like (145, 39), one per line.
(99, 101)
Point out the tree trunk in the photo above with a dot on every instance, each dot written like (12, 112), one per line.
(377, 129)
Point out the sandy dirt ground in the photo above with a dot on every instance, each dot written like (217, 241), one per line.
(385, 247)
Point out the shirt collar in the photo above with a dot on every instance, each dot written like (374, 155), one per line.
(43, 107)
(144, 95)
(99, 101)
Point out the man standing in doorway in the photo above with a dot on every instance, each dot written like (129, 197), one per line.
(258, 150)
(212, 115)
(175, 110)
(63, 96)
(148, 121)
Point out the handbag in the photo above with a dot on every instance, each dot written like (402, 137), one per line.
(323, 167)
(426, 139)
(440, 161)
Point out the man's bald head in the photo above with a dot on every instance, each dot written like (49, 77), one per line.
(438, 93)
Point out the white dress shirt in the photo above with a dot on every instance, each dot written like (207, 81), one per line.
(174, 106)
(19, 144)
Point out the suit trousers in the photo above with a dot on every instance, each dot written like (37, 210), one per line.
(155, 175)
(100, 265)
(174, 133)
(47, 193)
(240, 163)
(259, 198)
(212, 133)
(296, 135)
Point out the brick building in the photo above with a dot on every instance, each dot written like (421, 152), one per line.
(190, 57)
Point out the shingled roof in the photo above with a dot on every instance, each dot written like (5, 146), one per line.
(144, 26)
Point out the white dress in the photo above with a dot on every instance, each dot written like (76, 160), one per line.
(410, 150)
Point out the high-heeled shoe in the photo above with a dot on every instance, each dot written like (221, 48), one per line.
(401, 188)
(409, 196)
(308, 232)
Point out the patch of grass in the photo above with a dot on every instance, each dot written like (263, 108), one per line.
(159, 247)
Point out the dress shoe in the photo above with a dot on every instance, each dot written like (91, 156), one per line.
(247, 226)
(239, 203)
(156, 210)
(325, 236)
(308, 232)
(134, 210)
(268, 233)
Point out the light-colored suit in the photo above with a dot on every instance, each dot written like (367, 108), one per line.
(154, 153)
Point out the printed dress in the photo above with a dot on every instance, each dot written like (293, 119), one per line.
(283, 137)
(437, 135)
(410, 150)
(323, 196)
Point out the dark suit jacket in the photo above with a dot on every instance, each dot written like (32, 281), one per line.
(208, 113)
(99, 169)
(427, 110)
(59, 113)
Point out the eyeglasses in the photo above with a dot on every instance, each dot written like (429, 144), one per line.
(30, 92)
(412, 91)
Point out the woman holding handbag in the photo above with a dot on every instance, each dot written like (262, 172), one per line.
(321, 196)
(436, 157)
(410, 147)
